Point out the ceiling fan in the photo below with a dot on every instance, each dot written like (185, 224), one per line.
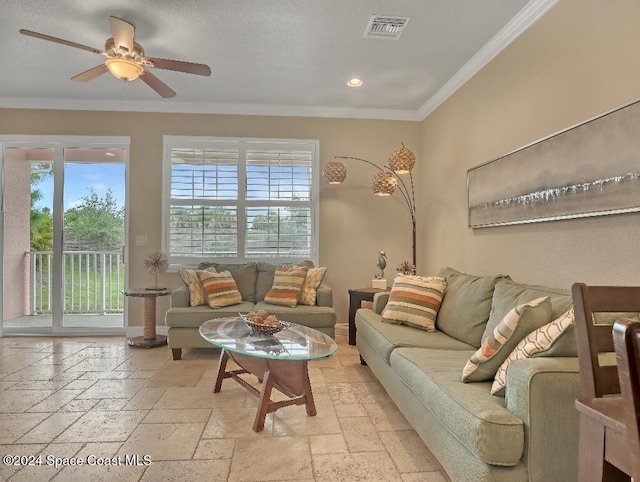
(126, 60)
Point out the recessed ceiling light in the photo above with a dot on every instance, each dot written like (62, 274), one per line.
(355, 82)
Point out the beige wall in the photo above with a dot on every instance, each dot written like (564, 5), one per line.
(354, 224)
(580, 60)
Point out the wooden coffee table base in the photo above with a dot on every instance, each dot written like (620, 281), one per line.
(290, 377)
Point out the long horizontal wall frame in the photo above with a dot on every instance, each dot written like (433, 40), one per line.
(591, 169)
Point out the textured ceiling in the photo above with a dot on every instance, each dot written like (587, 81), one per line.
(280, 57)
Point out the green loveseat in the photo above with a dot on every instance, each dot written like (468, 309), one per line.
(530, 434)
(254, 280)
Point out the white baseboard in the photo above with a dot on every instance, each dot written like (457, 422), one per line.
(134, 331)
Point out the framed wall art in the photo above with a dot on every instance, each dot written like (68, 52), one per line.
(591, 169)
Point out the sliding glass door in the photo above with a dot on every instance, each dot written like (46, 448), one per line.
(64, 232)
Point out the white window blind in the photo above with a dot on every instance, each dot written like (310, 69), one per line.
(239, 200)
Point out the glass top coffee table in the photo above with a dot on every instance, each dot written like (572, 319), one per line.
(279, 361)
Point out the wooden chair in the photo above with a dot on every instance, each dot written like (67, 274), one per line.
(604, 450)
(626, 339)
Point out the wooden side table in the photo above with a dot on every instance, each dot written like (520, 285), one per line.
(356, 297)
(149, 338)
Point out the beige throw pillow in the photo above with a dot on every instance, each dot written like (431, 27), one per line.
(536, 343)
(310, 286)
(516, 324)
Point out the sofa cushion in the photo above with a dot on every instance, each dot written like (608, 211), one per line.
(192, 282)
(385, 337)
(469, 412)
(264, 281)
(310, 286)
(537, 343)
(414, 301)
(219, 289)
(287, 286)
(517, 323)
(244, 274)
(311, 316)
(466, 305)
(508, 294)
(194, 316)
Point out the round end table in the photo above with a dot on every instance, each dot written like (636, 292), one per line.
(149, 338)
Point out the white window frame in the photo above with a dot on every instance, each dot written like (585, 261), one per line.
(242, 144)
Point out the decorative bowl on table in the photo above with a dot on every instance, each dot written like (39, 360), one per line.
(264, 324)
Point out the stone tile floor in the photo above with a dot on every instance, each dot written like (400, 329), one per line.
(131, 414)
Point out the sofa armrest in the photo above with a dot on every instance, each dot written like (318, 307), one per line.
(541, 392)
(180, 297)
(324, 295)
(380, 301)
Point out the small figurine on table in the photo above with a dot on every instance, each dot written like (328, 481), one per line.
(382, 264)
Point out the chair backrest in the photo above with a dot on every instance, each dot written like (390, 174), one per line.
(597, 380)
(626, 338)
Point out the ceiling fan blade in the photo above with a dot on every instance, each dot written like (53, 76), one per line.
(61, 41)
(123, 33)
(156, 84)
(91, 74)
(180, 66)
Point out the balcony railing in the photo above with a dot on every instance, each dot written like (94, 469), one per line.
(93, 282)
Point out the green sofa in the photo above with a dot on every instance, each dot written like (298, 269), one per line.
(530, 434)
(254, 280)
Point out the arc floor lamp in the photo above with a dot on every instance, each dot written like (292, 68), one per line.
(385, 181)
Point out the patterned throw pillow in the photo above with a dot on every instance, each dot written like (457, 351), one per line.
(287, 286)
(219, 289)
(536, 343)
(310, 286)
(516, 324)
(415, 301)
(191, 280)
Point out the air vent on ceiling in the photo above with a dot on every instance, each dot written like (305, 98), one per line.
(385, 26)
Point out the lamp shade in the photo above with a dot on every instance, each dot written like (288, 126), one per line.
(402, 160)
(384, 184)
(124, 69)
(334, 172)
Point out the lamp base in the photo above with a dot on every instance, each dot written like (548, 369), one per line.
(379, 283)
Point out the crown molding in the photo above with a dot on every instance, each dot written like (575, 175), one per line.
(518, 24)
(211, 108)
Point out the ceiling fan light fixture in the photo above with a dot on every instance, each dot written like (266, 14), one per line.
(124, 69)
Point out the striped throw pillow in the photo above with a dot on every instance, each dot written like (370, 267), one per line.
(219, 289)
(287, 286)
(536, 343)
(515, 325)
(191, 280)
(415, 301)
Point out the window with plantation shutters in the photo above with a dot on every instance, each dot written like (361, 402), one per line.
(238, 200)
